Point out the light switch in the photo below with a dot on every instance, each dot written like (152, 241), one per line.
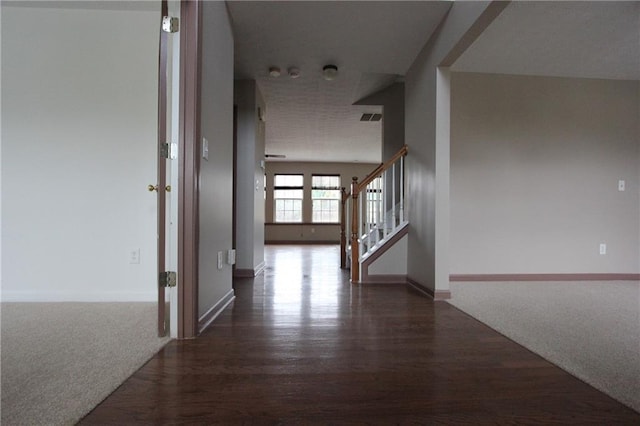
(220, 259)
(231, 257)
(621, 185)
(205, 149)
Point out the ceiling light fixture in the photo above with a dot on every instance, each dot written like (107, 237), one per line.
(329, 72)
(294, 72)
(274, 72)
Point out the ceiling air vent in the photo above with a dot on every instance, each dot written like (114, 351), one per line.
(371, 117)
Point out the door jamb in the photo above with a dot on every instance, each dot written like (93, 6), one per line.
(189, 166)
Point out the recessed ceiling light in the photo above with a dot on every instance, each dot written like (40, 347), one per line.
(294, 72)
(329, 72)
(274, 72)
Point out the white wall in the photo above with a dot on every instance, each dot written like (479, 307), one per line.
(79, 149)
(249, 176)
(535, 164)
(393, 261)
(428, 179)
(216, 174)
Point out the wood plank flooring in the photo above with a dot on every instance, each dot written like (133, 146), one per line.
(300, 345)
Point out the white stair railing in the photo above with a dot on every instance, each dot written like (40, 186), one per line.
(373, 212)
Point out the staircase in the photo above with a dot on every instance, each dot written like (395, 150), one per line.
(372, 212)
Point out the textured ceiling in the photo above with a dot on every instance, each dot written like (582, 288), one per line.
(564, 39)
(131, 5)
(372, 43)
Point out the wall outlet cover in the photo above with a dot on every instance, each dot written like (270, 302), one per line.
(134, 256)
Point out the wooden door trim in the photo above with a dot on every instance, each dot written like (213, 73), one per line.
(162, 171)
(234, 224)
(189, 166)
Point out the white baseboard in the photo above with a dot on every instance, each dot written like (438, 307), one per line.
(205, 320)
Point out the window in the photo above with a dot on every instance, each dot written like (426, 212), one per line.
(287, 197)
(325, 199)
(374, 201)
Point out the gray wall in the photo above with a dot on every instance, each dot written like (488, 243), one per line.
(535, 164)
(216, 175)
(392, 101)
(428, 180)
(249, 176)
(79, 146)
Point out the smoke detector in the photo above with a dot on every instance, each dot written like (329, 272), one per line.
(294, 72)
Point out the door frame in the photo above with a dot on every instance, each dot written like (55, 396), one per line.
(162, 173)
(189, 166)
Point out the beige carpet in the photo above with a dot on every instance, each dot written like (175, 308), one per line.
(590, 329)
(59, 360)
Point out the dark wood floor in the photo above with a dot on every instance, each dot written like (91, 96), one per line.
(300, 345)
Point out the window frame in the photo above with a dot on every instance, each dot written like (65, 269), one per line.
(276, 188)
(337, 199)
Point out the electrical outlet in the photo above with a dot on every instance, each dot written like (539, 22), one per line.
(220, 259)
(134, 256)
(621, 185)
(603, 248)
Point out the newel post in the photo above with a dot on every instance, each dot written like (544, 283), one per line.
(355, 246)
(343, 234)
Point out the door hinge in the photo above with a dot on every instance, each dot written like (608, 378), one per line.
(168, 279)
(164, 150)
(170, 24)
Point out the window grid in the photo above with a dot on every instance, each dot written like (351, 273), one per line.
(287, 194)
(325, 199)
(374, 198)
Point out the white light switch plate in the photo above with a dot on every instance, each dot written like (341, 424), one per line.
(205, 149)
(621, 185)
(231, 257)
(220, 259)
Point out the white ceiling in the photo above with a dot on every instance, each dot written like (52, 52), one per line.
(564, 39)
(372, 43)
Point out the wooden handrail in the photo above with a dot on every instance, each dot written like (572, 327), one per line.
(343, 235)
(355, 246)
(382, 168)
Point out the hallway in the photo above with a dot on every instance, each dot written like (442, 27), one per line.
(300, 345)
